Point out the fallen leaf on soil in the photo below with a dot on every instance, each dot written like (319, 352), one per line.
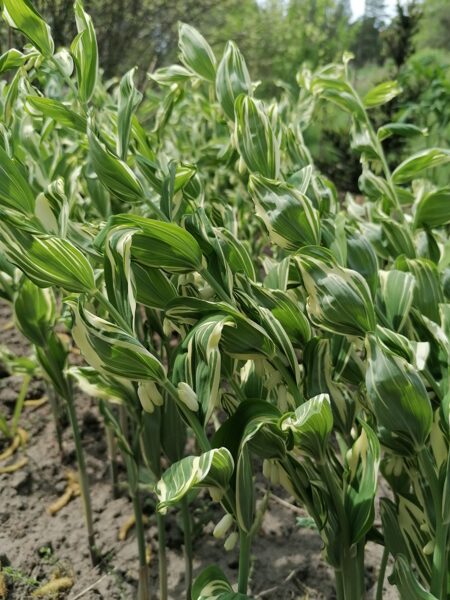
(20, 439)
(3, 587)
(14, 467)
(33, 404)
(72, 490)
(54, 587)
(129, 523)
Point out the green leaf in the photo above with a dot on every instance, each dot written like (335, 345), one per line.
(212, 584)
(213, 470)
(48, 260)
(12, 58)
(381, 94)
(397, 290)
(85, 53)
(288, 215)
(34, 311)
(310, 426)
(246, 340)
(196, 53)
(111, 350)
(338, 299)
(256, 140)
(91, 382)
(129, 99)
(319, 371)
(433, 209)
(119, 277)
(400, 129)
(153, 288)
(232, 79)
(361, 257)
(428, 292)
(21, 15)
(52, 208)
(399, 399)
(405, 580)
(159, 244)
(56, 110)
(15, 191)
(416, 164)
(363, 461)
(339, 92)
(172, 74)
(113, 172)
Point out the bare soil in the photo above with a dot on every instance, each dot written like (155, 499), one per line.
(286, 563)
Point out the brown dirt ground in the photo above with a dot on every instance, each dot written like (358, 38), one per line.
(286, 564)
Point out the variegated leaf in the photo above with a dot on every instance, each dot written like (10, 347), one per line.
(213, 470)
(290, 218)
(339, 299)
(111, 350)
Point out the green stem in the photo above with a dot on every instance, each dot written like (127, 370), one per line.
(56, 411)
(187, 530)
(84, 485)
(289, 380)
(350, 575)
(114, 313)
(189, 416)
(144, 575)
(66, 78)
(382, 574)
(18, 408)
(245, 542)
(340, 594)
(111, 446)
(215, 285)
(160, 520)
(439, 569)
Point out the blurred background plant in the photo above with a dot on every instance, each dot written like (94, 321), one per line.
(408, 41)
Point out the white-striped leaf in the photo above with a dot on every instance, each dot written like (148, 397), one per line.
(21, 15)
(398, 398)
(397, 290)
(363, 461)
(290, 218)
(114, 173)
(255, 138)
(212, 584)
(119, 276)
(12, 59)
(406, 581)
(15, 191)
(339, 299)
(213, 470)
(153, 288)
(319, 371)
(94, 384)
(158, 244)
(382, 93)
(53, 109)
(310, 426)
(232, 79)
(196, 53)
(34, 311)
(433, 209)
(416, 164)
(111, 350)
(85, 53)
(52, 208)
(129, 99)
(48, 260)
(428, 293)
